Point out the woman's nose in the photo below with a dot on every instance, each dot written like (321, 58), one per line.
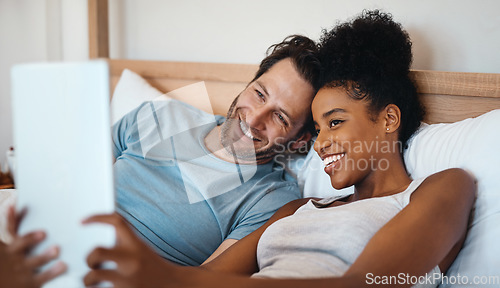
(322, 141)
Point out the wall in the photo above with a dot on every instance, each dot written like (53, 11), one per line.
(447, 35)
(35, 31)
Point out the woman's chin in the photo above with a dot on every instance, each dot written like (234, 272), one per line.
(338, 184)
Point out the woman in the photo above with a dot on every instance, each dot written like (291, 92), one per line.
(392, 225)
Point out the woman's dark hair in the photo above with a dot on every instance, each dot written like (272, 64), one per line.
(303, 52)
(370, 57)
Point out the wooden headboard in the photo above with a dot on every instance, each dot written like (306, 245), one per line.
(447, 96)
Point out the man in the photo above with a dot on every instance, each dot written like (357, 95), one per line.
(212, 213)
(191, 183)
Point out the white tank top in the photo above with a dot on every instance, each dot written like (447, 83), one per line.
(324, 242)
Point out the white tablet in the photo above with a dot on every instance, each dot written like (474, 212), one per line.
(62, 139)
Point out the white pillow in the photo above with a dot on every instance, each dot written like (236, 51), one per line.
(471, 144)
(130, 92)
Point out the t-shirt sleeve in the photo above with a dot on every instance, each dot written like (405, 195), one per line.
(120, 132)
(263, 209)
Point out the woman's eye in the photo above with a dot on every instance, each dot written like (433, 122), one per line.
(335, 122)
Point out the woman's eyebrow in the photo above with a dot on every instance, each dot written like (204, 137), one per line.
(336, 110)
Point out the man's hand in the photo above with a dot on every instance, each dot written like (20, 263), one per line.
(17, 268)
(136, 264)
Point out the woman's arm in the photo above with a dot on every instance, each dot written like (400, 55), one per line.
(252, 239)
(425, 233)
(418, 238)
(139, 266)
(241, 258)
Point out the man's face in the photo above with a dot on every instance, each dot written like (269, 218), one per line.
(268, 114)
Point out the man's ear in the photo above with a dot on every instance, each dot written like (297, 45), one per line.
(302, 140)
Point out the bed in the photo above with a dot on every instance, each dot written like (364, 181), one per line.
(461, 130)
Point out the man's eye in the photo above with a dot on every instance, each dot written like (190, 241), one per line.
(282, 119)
(259, 94)
(335, 122)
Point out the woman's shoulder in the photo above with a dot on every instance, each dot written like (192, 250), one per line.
(456, 176)
(292, 206)
(446, 184)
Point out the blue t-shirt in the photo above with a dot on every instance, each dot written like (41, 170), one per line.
(182, 200)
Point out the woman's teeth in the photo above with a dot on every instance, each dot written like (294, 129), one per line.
(331, 159)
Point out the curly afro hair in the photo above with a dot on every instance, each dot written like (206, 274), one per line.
(370, 57)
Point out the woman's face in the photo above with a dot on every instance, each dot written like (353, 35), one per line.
(349, 140)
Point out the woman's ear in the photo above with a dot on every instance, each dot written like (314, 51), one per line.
(392, 118)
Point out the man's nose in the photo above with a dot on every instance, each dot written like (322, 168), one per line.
(257, 117)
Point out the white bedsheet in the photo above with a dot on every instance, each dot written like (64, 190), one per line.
(7, 198)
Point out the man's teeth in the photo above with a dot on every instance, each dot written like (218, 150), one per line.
(246, 131)
(330, 159)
